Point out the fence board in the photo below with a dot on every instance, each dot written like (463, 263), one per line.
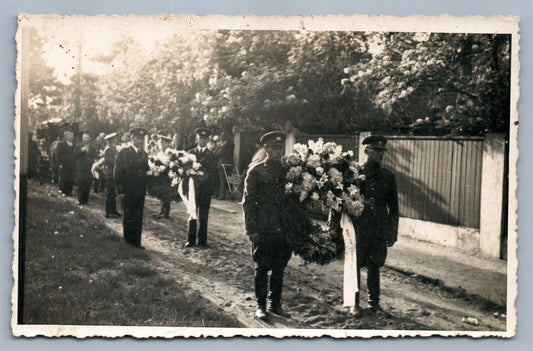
(438, 179)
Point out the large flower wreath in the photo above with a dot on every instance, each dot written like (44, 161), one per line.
(319, 172)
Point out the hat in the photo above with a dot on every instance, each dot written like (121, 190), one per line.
(376, 142)
(165, 138)
(138, 132)
(203, 132)
(276, 137)
(110, 136)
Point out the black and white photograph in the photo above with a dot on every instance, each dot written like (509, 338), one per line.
(343, 176)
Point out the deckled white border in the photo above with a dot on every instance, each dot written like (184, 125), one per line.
(442, 23)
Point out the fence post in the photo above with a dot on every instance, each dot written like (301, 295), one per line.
(492, 194)
(360, 148)
(237, 149)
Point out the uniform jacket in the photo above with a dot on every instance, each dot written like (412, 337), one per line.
(130, 171)
(206, 184)
(263, 194)
(65, 156)
(84, 161)
(379, 220)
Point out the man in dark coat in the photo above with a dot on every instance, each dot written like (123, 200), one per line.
(110, 156)
(130, 179)
(377, 227)
(271, 249)
(205, 187)
(66, 163)
(85, 155)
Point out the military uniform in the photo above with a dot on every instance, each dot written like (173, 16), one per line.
(84, 177)
(264, 189)
(377, 227)
(205, 187)
(130, 179)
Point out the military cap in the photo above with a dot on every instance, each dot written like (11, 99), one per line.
(165, 138)
(276, 137)
(138, 132)
(203, 132)
(376, 142)
(110, 136)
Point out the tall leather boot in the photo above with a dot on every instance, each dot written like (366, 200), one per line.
(276, 287)
(373, 288)
(261, 282)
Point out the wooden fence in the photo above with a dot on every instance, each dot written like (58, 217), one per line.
(438, 180)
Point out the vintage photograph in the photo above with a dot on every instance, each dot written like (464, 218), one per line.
(283, 176)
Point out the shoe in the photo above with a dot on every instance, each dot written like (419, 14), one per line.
(261, 314)
(203, 245)
(375, 308)
(137, 246)
(159, 215)
(188, 244)
(117, 214)
(112, 215)
(356, 311)
(279, 311)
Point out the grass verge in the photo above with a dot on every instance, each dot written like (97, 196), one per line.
(80, 273)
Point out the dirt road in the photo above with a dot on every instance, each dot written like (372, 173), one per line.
(223, 273)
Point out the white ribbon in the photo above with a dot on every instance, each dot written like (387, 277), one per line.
(351, 285)
(190, 199)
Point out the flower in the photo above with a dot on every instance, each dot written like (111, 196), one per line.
(293, 160)
(288, 188)
(335, 176)
(315, 196)
(300, 149)
(294, 173)
(316, 147)
(196, 166)
(308, 181)
(313, 161)
(319, 171)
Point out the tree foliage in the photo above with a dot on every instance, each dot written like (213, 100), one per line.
(322, 82)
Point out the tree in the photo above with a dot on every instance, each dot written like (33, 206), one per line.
(436, 83)
(45, 91)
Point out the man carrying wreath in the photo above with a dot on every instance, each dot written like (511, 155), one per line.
(377, 227)
(205, 188)
(271, 249)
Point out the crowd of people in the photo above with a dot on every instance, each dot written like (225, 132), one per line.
(123, 170)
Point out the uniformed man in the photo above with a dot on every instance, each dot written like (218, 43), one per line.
(110, 156)
(164, 193)
(85, 155)
(66, 163)
(205, 187)
(271, 250)
(130, 179)
(377, 227)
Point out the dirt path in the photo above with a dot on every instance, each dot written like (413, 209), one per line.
(223, 273)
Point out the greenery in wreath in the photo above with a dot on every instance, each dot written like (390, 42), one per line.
(319, 172)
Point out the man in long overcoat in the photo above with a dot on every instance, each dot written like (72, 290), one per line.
(85, 155)
(377, 227)
(130, 179)
(205, 187)
(271, 249)
(66, 163)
